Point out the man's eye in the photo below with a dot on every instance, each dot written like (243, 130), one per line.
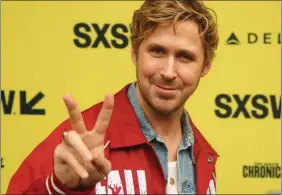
(185, 58)
(158, 52)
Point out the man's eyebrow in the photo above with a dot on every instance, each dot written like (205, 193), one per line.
(187, 52)
(156, 45)
(180, 51)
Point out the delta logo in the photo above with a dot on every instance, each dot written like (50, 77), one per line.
(265, 38)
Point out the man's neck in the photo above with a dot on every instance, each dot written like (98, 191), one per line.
(166, 125)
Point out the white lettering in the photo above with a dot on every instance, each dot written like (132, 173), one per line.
(99, 189)
(129, 182)
(114, 183)
(142, 181)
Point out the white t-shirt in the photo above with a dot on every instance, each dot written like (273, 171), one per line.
(172, 180)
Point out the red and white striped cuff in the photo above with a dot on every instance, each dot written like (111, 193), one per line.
(54, 186)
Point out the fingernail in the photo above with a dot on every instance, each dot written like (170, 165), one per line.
(84, 174)
(88, 157)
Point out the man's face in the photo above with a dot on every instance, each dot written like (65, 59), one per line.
(169, 66)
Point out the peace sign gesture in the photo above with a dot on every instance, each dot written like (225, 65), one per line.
(79, 161)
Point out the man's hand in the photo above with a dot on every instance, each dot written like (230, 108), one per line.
(79, 161)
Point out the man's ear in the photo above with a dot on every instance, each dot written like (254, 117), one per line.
(133, 56)
(206, 69)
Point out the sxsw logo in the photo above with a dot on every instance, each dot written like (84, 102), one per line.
(101, 35)
(26, 107)
(254, 38)
(257, 106)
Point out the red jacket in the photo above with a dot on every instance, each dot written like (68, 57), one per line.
(135, 165)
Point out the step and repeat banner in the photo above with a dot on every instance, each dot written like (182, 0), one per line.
(50, 48)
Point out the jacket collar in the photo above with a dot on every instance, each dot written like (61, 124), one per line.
(124, 129)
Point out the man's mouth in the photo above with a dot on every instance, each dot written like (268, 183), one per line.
(166, 87)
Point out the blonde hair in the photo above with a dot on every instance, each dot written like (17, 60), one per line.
(154, 12)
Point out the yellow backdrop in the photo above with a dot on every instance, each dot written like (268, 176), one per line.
(50, 48)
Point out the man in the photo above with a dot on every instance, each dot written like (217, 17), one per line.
(141, 140)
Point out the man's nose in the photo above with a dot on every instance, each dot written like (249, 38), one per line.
(168, 71)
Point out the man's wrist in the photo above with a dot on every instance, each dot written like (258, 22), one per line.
(55, 186)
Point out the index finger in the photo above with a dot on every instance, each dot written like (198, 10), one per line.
(76, 119)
